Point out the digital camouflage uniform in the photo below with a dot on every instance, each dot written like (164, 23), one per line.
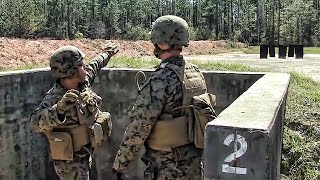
(160, 93)
(45, 117)
(158, 96)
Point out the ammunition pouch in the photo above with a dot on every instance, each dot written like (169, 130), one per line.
(169, 133)
(66, 140)
(60, 145)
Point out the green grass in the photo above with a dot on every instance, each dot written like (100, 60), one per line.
(25, 67)
(115, 62)
(312, 50)
(133, 62)
(256, 50)
(218, 66)
(251, 50)
(301, 150)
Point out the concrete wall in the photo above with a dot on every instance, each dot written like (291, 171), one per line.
(23, 153)
(244, 141)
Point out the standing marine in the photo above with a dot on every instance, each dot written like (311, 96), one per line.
(69, 114)
(170, 112)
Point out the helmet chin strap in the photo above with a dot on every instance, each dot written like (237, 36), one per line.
(157, 51)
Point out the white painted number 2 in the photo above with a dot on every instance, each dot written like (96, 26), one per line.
(236, 154)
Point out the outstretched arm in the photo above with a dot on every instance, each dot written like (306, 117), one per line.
(100, 61)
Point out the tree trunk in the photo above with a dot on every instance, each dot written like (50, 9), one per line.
(273, 24)
(279, 11)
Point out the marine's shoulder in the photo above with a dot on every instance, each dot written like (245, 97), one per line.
(164, 71)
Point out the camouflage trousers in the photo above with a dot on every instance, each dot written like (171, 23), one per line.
(78, 169)
(182, 163)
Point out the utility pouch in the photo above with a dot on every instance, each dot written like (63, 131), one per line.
(203, 113)
(101, 129)
(80, 136)
(169, 133)
(96, 137)
(60, 145)
(104, 119)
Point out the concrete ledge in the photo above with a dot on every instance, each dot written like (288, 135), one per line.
(244, 141)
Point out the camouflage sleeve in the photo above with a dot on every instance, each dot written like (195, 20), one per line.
(143, 116)
(46, 117)
(95, 66)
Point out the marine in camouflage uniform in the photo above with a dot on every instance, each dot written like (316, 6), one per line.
(59, 110)
(159, 94)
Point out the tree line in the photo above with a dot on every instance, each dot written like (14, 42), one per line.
(252, 21)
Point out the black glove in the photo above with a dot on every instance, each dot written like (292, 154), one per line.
(118, 174)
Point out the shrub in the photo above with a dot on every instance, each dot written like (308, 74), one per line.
(78, 35)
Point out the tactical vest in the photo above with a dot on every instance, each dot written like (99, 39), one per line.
(171, 132)
(66, 139)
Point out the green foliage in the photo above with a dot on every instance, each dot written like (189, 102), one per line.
(301, 150)
(78, 35)
(252, 22)
(136, 33)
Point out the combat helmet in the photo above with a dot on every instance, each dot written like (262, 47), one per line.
(64, 61)
(170, 29)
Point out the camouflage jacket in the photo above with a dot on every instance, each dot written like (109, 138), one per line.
(160, 92)
(45, 117)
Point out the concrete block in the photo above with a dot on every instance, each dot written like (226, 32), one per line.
(264, 51)
(282, 51)
(272, 51)
(244, 142)
(291, 51)
(299, 51)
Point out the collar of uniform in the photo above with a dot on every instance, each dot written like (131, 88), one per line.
(60, 87)
(173, 60)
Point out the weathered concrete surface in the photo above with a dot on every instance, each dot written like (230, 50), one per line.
(23, 153)
(244, 141)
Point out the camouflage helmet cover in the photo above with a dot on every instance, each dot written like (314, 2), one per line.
(170, 29)
(64, 61)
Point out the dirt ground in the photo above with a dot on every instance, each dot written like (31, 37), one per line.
(22, 52)
(309, 65)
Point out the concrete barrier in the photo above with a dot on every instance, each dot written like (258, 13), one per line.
(291, 51)
(282, 51)
(244, 142)
(272, 50)
(299, 51)
(23, 153)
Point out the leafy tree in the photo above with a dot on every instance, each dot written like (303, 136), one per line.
(253, 21)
